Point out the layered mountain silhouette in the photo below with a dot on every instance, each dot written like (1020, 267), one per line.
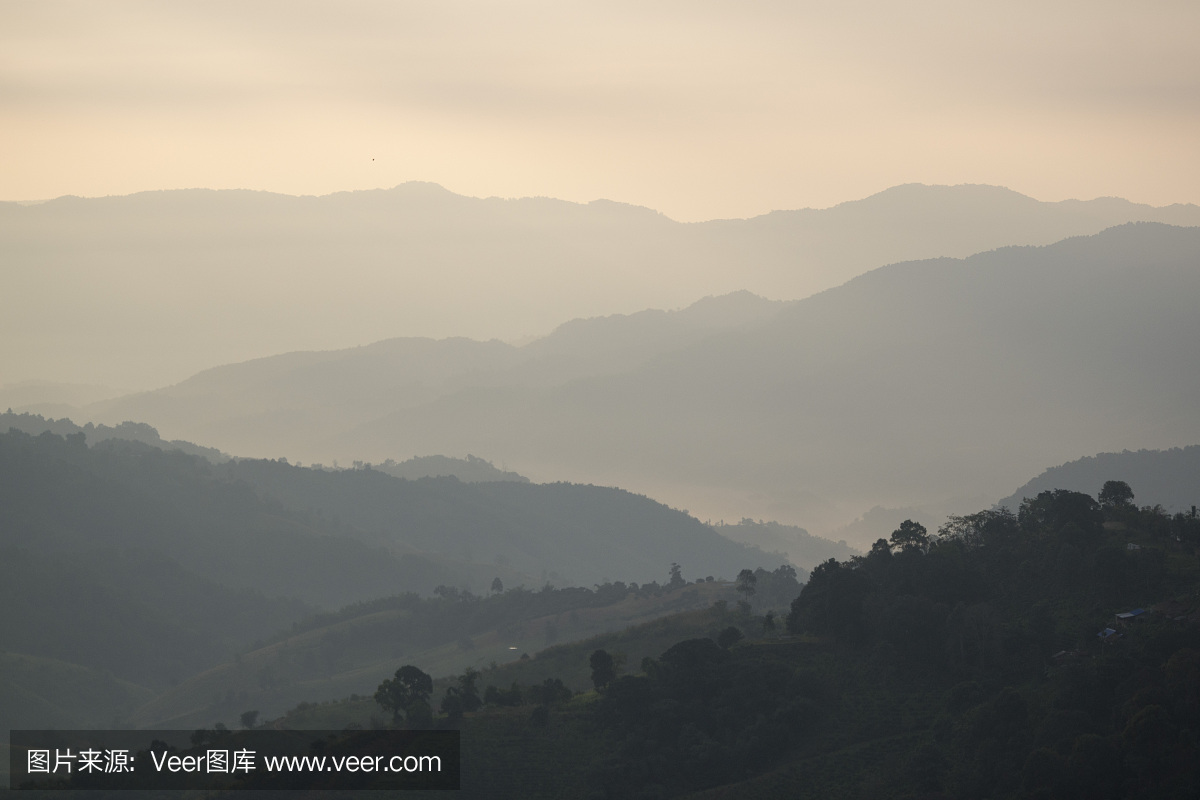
(296, 403)
(911, 384)
(147, 289)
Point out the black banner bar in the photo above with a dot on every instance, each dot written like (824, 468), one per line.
(258, 759)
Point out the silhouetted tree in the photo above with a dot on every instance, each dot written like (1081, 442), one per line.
(746, 582)
(409, 689)
(502, 697)
(1053, 511)
(677, 579)
(452, 704)
(604, 670)
(1116, 494)
(468, 691)
(910, 537)
(550, 692)
(729, 637)
(831, 603)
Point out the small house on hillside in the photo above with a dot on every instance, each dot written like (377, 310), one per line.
(1067, 657)
(1126, 617)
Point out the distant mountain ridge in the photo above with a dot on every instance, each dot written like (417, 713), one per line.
(291, 402)
(468, 470)
(201, 277)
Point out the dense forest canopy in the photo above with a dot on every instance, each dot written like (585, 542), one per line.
(997, 656)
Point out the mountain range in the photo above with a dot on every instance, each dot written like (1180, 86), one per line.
(144, 290)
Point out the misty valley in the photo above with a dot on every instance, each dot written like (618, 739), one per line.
(923, 526)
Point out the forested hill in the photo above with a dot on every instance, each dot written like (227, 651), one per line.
(334, 537)
(1167, 478)
(1051, 653)
(986, 661)
(151, 566)
(469, 470)
(561, 532)
(35, 424)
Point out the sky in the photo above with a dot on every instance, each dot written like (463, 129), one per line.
(697, 109)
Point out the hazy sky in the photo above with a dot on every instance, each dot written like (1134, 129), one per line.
(697, 109)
